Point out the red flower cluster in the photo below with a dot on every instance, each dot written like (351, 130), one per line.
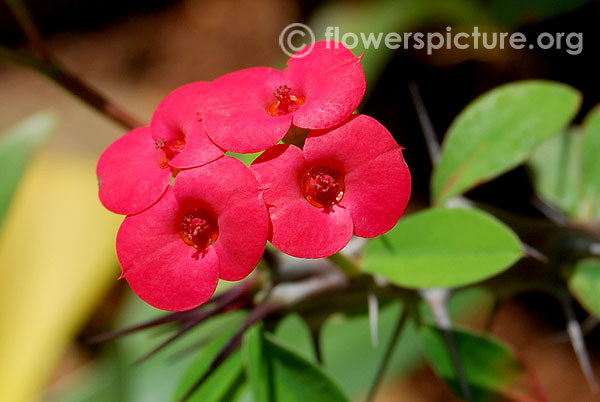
(195, 215)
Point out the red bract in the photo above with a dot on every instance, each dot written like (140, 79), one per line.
(348, 180)
(252, 109)
(131, 173)
(135, 170)
(211, 224)
(177, 130)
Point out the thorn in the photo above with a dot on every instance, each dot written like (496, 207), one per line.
(549, 211)
(534, 253)
(577, 341)
(437, 299)
(493, 313)
(314, 335)
(165, 319)
(388, 354)
(433, 146)
(181, 331)
(373, 305)
(222, 300)
(589, 324)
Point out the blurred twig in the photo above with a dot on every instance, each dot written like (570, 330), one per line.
(29, 28)
(42, 61)
(433, 145)
(259, 313)
(387, 355)
(577, 341)
(437, 299)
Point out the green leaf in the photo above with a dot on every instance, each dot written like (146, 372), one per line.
(584, 284)
(498, 131)
(492, 369)
(17, 145)
(590, 175)
(258, 367)
(555, 168)
(443, 248)
(222, 383)
(277, 374)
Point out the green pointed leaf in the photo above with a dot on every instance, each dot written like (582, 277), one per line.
(498, 131)
(492, 369)
(584, 284)
(443, 248)
(17, 145)
(277, 374)
(222, 383)
(257, 366)
(590, 175)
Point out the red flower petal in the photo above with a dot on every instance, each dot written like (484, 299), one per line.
(244, 228)
(298, 228)
(333, 81)
(232, 192)
(377, 193)
(304, 231)
(359, 140)
(130, 174)
(160, 268)
(236, 112)
(279, 170)
(177, 114)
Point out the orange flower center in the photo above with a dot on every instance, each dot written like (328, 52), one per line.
(171, 148)
(323, 187)
(286, 102)
(199, 228)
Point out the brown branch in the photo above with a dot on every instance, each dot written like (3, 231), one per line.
(29, 28)
(42, 61)
(53, 71)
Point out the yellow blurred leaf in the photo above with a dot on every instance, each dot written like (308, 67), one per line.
(57, 261)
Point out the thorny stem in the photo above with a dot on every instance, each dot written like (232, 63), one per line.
(437, 299)
(259, 313)
(387, 355)
(42, 61)
(577, 341)
(222, 300)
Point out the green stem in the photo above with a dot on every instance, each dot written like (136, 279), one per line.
(350, 268)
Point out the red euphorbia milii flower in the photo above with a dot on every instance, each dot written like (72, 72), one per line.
(135, 170)
(351, 179)
(211, 224)
(252, 109)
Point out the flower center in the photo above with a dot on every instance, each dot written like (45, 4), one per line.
(171, 148)
(286, 102)
(199, 228)
(323, 187)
